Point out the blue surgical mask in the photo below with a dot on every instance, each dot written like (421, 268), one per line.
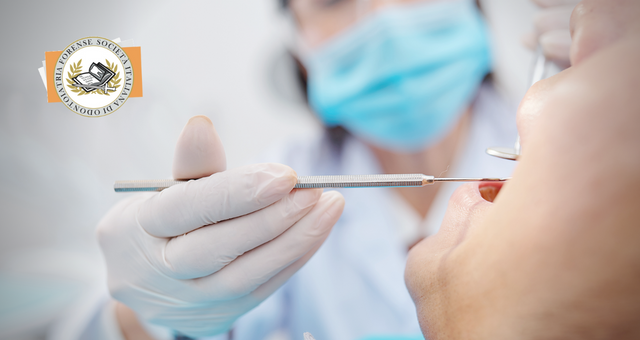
(401, 77)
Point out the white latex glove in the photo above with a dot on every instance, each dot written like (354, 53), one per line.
(552, 30)
(198, 255)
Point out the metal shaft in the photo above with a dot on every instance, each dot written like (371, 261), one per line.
(145, 185)
(364, 181)
(309, 182)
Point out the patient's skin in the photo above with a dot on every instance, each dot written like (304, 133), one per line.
(557, 254)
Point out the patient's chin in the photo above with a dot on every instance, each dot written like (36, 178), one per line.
(489, 191)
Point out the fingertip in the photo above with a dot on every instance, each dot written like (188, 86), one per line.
(334, 199)
(305, 198)
(284, 171)
(325, 213)
(200, 119)
(278, 169)
(331, 204)
(272, 181)
(267, 288)
(199, 150)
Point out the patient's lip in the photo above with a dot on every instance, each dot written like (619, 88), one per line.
(489, 191)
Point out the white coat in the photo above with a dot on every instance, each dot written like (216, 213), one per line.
(353, 287)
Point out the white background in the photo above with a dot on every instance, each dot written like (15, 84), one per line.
(223, 59)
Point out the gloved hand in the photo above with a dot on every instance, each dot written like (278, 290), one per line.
(198, 255)
(551, 30)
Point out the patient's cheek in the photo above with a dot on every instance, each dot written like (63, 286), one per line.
(489, 191)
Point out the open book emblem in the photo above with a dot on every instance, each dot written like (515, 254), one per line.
(93, 76)
(99, 79)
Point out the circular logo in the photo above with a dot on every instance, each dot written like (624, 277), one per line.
(93, 77)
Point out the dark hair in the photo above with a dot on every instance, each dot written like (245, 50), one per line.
(336, 134)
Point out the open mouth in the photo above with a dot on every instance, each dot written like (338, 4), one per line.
(489, 191)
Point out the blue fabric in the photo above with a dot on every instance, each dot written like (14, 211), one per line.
(403, 76)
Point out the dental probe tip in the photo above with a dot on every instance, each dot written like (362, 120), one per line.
(471, 179)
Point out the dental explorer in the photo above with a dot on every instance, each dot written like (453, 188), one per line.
(310, 182)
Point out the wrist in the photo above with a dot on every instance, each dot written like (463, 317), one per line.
(130, 326)
(133, 328)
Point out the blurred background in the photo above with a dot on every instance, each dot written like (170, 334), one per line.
(224, 59)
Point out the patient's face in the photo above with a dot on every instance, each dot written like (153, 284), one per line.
(553, 252)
